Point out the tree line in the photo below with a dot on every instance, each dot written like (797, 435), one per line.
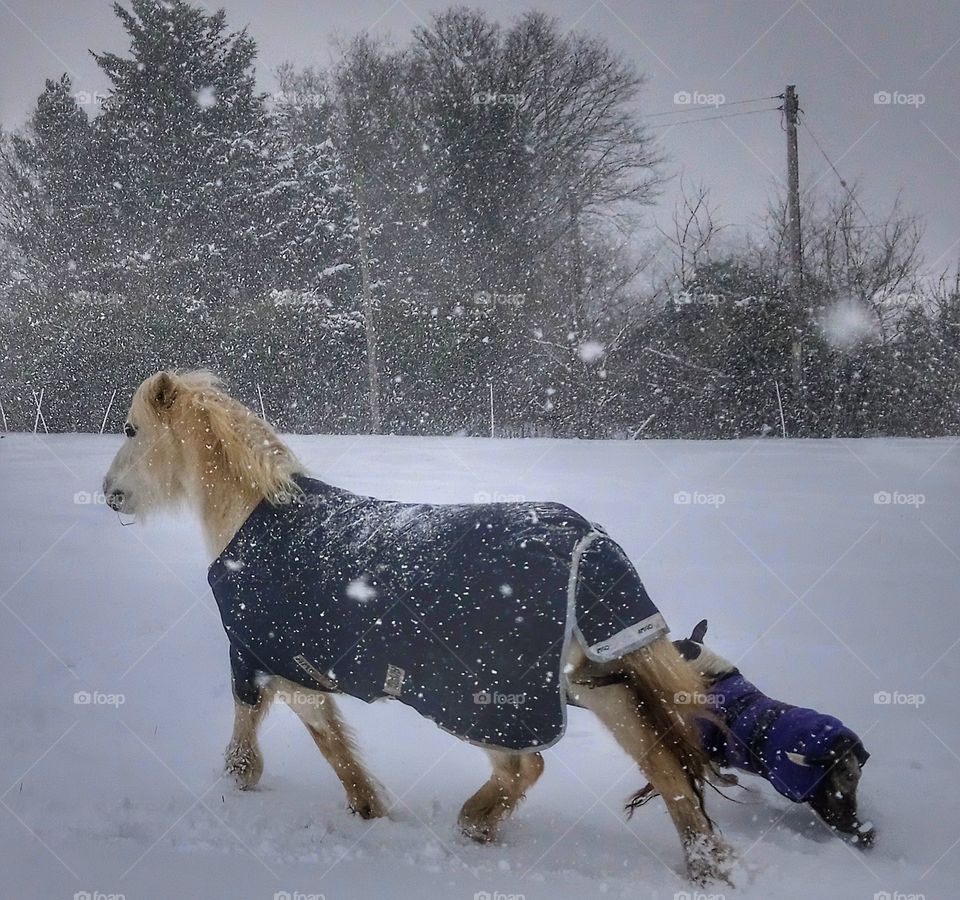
(389, 241)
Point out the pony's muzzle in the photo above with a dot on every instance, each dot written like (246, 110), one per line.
(114, 496)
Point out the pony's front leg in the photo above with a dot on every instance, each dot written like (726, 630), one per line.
(318, 711)
(513, 775)
(244, 762)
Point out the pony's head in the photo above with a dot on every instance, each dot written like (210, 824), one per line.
(188, 442)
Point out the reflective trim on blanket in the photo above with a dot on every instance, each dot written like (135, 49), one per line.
(609, 596)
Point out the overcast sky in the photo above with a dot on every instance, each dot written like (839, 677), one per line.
(840, 55)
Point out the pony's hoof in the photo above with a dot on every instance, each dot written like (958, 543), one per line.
(478, 828)
(709, 861)
(370, 808)
(244, 766)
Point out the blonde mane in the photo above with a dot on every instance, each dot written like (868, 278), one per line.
(232, 458)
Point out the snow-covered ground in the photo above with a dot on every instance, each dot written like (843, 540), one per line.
(822, 594)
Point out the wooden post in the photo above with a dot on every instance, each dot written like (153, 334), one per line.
(4, 416)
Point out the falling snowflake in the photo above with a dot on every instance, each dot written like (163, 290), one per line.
(206, 97)
(590, 351)
(361, 590)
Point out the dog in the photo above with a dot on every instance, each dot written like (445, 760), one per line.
(807, 756)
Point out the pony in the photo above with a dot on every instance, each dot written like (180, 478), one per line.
(189, 444)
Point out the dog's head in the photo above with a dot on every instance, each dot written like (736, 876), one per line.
(835, 799)
(710, 665)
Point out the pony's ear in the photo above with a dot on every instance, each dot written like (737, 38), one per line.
(699, 631)
(163, 392)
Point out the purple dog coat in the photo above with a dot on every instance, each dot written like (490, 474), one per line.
(790, 746)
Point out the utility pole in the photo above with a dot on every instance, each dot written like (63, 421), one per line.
(791, 109)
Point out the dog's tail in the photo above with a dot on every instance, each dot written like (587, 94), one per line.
(670, 698)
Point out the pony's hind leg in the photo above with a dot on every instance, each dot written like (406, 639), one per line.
(513, 775)
(333, 738)
(243, 760)
(654, 732)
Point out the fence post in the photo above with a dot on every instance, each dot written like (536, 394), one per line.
(103, 424)
(39, 417)
(263, 414)
(3, 415)
(492, 426)
(783, 423)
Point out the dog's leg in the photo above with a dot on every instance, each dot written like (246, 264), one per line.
(243, 760)
(318, 711)
(513, 775)
(645, 739)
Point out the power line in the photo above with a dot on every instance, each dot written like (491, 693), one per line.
(749, 112)
(840, 178)
(685, 109)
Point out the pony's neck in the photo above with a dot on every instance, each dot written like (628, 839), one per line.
(222, 512)
(222, 518)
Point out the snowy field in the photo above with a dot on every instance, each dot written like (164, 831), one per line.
(824, 596)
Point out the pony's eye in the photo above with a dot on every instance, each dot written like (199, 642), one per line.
(129, 430)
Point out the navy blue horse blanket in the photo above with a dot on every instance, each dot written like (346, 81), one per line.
(792, 747)
(463, 612)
